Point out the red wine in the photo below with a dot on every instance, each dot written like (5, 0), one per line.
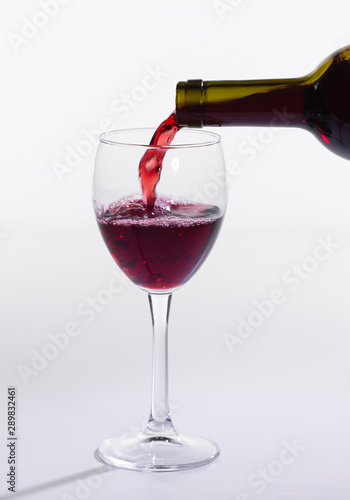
(152, 161)
(318, 102)
(162, 250)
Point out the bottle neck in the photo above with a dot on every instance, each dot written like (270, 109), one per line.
(241, 103)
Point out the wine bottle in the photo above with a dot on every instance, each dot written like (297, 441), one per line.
(318, 102)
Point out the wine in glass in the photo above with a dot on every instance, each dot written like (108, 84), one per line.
(159, 243)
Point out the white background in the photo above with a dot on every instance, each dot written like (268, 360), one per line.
(290, 380)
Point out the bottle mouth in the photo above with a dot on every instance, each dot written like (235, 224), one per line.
(189, 103)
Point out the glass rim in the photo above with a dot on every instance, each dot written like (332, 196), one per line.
(105, 139)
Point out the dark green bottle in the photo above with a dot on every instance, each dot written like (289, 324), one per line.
(318, 102)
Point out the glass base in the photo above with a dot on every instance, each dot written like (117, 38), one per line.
(158, 453)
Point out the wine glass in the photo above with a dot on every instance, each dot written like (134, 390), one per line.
(159, 250)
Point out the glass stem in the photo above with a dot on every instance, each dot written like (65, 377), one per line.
(160, 420)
